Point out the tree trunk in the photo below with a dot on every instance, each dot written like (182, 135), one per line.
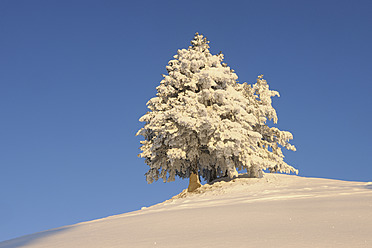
(254, 172)
(232, 173)
(212, 175)
(194, 182)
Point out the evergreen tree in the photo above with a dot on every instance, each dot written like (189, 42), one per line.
(203, 122)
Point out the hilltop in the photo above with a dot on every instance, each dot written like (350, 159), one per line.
(274, 211)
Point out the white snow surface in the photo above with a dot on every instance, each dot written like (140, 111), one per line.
(274, 211)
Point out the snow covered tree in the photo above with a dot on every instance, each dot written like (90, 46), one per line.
(202, 122)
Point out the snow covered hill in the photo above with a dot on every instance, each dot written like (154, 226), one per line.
(274, 211)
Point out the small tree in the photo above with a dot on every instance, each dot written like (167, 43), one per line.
(203, 123)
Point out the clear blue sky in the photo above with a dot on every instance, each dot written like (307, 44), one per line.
(75, 77)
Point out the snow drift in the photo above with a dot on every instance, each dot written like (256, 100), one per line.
(273, 211)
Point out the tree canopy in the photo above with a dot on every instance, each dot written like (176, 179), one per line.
(203, 121)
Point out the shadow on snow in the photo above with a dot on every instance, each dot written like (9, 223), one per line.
(32, 238)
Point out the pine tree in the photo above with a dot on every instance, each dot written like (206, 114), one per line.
(202, 122)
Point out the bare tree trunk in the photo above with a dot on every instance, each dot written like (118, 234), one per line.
(194, 182)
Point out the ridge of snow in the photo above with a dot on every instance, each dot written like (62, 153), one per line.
(274, 211)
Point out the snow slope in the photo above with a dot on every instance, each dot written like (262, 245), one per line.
(274, 211)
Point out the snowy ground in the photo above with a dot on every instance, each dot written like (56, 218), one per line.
(274, 211)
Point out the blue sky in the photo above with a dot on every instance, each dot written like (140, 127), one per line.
(75, 77)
